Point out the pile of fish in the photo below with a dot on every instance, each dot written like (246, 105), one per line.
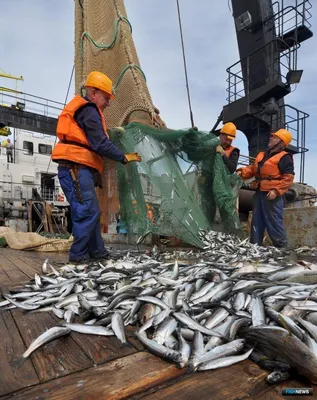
(202, 309)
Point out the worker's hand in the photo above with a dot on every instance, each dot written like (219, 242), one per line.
(272, 194)
(239, 171)
(220, 150)
(118, 130)
(133, 157)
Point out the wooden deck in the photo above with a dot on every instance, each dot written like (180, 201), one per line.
(88, 367)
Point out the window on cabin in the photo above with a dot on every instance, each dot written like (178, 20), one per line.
(45, 149)
(28, 148)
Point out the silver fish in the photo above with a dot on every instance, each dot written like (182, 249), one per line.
(184, 349)
(164, 330)
(158, 349)
(89, 329)
(221, 351)
(286, 322)
(258, 313)
(223, 362)
(117, 326)
(192, 324)
(46, 337)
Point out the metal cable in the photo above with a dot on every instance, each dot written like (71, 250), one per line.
(185, 67)
(69, 84)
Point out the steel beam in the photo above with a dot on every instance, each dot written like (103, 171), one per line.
(256, 68)
(27, 120)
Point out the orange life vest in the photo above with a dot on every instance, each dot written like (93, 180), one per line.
(73, 145)
(269, 175)
(229, 150)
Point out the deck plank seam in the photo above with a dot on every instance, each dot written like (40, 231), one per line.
(25, 345)
(19, 268)
(5, 270)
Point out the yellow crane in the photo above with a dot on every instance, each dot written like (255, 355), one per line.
(9, 76)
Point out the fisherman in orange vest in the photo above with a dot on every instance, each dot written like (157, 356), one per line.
(230, 154)
(83, 142)
(274, 173)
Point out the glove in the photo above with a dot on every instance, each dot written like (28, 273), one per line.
(220, 150)
(133, 157)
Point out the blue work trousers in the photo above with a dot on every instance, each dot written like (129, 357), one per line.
(88, 242)
(267, 214)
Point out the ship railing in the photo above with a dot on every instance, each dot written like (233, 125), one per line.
(288, 17)
(30, 103)
(257, 69)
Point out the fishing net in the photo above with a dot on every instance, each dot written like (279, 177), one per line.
(154, 195)
(157, 196)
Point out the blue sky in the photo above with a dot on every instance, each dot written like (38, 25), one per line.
(37, 39)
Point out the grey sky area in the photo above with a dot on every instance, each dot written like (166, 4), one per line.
(37, 39)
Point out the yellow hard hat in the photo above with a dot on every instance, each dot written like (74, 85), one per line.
(284, 135)
(100, 81)
(230, 130)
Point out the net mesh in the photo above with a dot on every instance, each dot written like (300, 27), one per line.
(154, 195)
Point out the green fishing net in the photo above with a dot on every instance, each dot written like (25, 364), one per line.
(157, 195)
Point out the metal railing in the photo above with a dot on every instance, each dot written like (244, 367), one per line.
(23, 191)
(48, 194)
(265, 69)
(294, 120)
(30, 103)
(291, 16)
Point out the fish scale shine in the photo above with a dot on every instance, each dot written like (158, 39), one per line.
(197, 303)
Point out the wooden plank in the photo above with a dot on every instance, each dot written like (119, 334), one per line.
(130, 330)
(23, 266)
(4, 278)
(13, 378)
(118, 379)
(229, 383)
(38, 257)
(12, 271)
(100, 349)
(59, 357)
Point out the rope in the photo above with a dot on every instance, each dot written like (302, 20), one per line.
(100, 45)
(82, 7)
(69, 84)
(125, 69)
(185, 67)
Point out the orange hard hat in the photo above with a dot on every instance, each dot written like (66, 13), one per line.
(230, 130)
(284, 135)
(100, 81)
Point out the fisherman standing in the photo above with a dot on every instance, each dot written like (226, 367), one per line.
(9, 148)
(84, 140)
(229, 153)
(274, 174)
